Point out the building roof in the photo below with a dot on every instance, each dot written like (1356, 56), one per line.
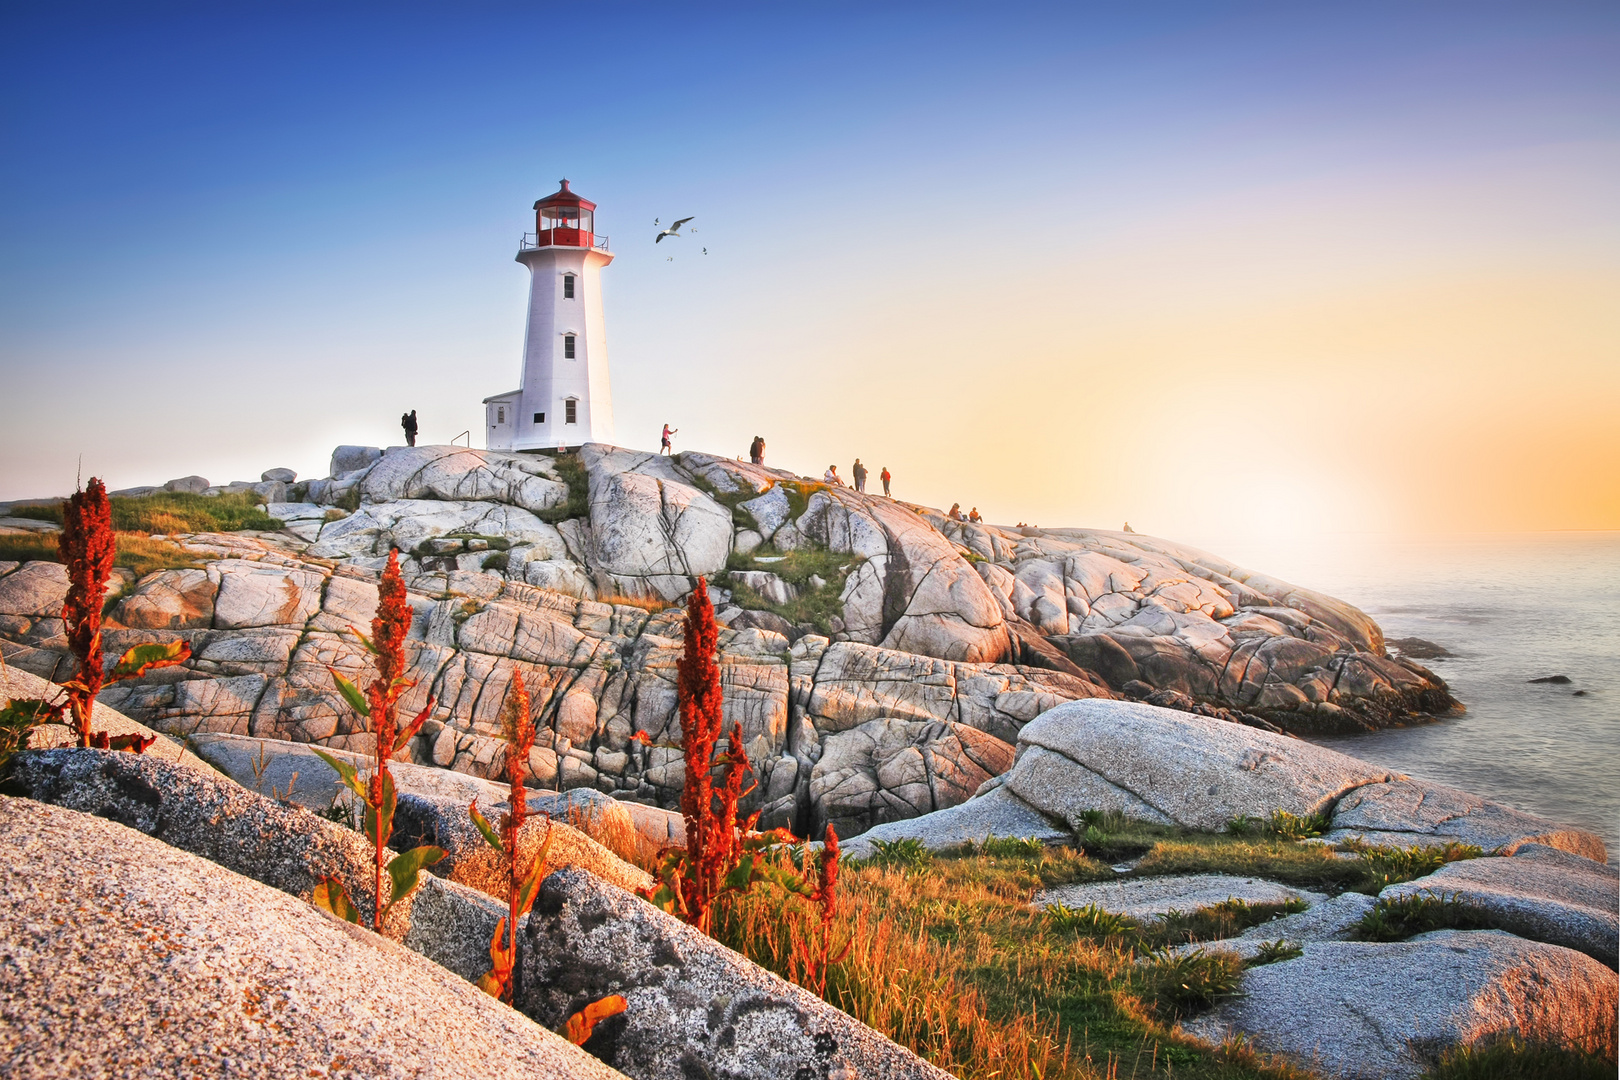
(564, 197)
(501, 397)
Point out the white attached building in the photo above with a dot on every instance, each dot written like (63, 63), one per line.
(564, 399)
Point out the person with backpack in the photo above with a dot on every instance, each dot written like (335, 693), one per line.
(408, 422)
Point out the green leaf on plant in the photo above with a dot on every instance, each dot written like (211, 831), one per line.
(529, 887)
(346, 772)
(330, 895)
(351, 693)
(403, 870)
(367, 642)
(143, 658)
(485, 828)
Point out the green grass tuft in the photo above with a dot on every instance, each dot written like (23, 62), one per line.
(1401, 917)
(1515, 1059)
(1275, 952)
(1287, 826)
(909, 854)
(1089, 921)
(1185, 983)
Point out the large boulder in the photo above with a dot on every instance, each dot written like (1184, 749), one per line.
(35, 589)
(696, 1009)
(285, 847)
(652, 531)
(1382, 1011)
(253, 594)
(1403, 811)
(1540, 893)
(168, 965)
(1171, 767)
(346, 459)
(1154, 897)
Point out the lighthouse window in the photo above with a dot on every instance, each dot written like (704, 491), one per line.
(539, 417)
(568, 346)
(568, 411)
(568, 286)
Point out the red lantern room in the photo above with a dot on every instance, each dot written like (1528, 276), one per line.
(566, 220)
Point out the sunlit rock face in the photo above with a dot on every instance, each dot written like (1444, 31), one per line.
(843, 611)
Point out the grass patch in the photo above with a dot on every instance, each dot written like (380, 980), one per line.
(817, 606)
(141, 554)
(950, 960)
(572, 472)
(1401, 917)
(1515, 1059)
(1390, 865)
(173, 512)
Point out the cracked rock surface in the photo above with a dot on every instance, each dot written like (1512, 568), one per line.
(943, 624)
(167, 961)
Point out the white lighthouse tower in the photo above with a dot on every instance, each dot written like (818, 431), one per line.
(565, 398)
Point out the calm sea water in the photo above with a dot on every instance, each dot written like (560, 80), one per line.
(1512, 608)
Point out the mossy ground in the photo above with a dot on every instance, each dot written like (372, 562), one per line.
(813, 605)
(140, 554)
(948, 957)
(168, 512)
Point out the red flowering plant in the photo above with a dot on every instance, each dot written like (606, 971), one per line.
(88, 547)
(379, 705)
(523, 874)
(725, 854)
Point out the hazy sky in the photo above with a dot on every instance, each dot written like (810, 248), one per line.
(1291, 269)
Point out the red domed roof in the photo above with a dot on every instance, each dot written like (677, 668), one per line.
(564, 197)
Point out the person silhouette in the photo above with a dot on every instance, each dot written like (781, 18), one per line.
(408, 422)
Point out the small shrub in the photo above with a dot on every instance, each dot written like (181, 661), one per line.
(1275, 952)
(1011, 847)
(495, 560)
(909, 854)
(1089, 921)
(349, 500)
(379, 705)
(333, 513)
(1244, 825)
(1512, 1058)
(1401, 917)
(1286, 826)
(1182, 984)
(18, 719)
(1383, 866)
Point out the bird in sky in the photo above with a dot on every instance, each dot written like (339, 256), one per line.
(673, 230)
(705, 251)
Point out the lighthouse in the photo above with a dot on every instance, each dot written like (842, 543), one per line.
(564, 399)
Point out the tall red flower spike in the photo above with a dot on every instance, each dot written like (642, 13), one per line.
(87, 547)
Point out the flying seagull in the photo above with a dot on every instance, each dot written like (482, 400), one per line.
(673, 230)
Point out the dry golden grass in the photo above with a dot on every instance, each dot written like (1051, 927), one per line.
(952, 962)
(142, 554)
(648, 604)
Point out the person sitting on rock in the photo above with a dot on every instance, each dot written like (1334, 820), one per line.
(408, 422)
(756, 451)
(859, 473)
(831, 477)
(956, 512)
(885, 477)
(973, 515)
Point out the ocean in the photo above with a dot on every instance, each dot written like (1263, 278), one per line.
(1512, 608)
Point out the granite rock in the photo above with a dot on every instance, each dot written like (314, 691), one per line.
(185, 961)
(1402, 812)
(1368, 1011)
(1153, 897)
(1540, 893)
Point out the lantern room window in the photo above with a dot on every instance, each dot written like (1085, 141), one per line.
(568, 286)
(569, 415)
(568, 346)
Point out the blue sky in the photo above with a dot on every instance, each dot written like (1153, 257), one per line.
(1073, 264)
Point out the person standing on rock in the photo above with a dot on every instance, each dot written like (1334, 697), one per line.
(859, 473)
(756, 451)
(663, 443)
(885, 477)
(408, 422)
